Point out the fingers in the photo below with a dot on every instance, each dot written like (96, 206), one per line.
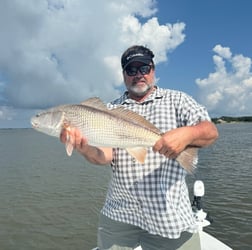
(63, 136)
(73, 137)
(165, 148)
(76, 138)
(167, 152)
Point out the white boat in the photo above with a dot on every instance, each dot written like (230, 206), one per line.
(207, 241)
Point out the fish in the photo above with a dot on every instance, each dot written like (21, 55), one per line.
(112, 128)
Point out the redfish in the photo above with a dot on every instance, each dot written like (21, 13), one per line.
(103, 127)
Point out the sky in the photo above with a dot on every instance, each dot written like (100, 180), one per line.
(64, 51)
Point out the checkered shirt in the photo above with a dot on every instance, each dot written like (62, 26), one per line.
(154, 195)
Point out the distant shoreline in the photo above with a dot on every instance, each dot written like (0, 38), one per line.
(230, 119)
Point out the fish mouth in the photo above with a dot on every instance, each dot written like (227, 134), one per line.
(34, 124)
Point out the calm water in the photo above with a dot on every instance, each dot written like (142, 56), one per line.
(49, 201)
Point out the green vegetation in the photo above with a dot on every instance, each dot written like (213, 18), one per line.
(229, 119)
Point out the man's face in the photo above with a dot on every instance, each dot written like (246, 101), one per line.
(140, 83)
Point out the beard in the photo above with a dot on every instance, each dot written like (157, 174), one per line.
(141, 90)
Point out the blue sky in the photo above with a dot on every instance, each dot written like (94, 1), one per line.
(208, 23)
(59, 51)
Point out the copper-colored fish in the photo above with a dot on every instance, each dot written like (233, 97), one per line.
(103, 127)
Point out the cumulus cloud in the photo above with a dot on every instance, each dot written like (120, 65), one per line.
(60, 51)
(228, 90)
(69, 50)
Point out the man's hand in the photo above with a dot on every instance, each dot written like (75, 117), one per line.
(173, 142)
(73, 139)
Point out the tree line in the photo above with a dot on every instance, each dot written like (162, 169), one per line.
(228, 119)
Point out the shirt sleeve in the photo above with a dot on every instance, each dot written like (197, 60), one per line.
(190, 111)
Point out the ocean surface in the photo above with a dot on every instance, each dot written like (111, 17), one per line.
(49, 201)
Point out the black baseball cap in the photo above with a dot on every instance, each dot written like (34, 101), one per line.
(137, 53)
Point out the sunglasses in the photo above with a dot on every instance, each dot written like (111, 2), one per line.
(144, 70)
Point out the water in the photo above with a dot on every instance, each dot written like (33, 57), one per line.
(50, 201)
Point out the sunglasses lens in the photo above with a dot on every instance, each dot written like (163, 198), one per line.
(131, 71)
(144, 69)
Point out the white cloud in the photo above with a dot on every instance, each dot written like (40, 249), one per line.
(229, 89)
(222, 51)
(166, 37)
(60, 51)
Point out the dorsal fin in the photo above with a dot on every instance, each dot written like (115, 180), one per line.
(135, 118)
(121, 113)
(95, 102)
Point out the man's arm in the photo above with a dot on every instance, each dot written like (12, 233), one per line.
(95, 155)
(173, 142)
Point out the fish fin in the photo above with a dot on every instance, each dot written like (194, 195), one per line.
(138, 153)
(188, 159)
(69, 148)
(95, 102)
(69, 143)
(121, 112)
(135, 118)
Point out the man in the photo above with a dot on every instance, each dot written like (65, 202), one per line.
(148, 204)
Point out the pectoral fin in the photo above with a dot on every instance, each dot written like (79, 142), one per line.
(69, 142)
(138, 153)
(69, 149)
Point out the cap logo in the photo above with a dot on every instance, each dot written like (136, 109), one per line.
(133, 55)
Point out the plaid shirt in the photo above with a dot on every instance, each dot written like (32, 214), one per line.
(154, 195)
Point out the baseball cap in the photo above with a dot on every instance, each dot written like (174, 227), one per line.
(137, 54)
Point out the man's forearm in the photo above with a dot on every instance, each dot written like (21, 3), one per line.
(203, 134)
(95, 155)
